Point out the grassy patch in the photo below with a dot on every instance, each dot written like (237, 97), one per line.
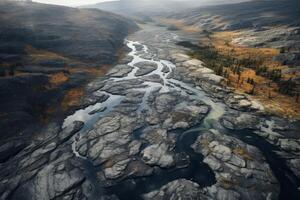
(72, 98)
(58, 79)
(179, 25)
(38, 55)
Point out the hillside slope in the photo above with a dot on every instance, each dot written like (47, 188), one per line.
(259, 23)
(152, 7)
(243, 15)
(91, 36)
(47, 53)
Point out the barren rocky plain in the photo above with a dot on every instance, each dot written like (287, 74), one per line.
(159, 125)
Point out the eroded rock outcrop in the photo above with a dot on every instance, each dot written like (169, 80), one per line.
(238, 167)
(46, 169)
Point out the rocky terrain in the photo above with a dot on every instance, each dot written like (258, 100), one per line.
(47, 53)
(158, 126)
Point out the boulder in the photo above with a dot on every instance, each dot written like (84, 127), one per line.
(158, 154)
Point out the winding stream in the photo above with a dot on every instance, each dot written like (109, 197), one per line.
(84, 115)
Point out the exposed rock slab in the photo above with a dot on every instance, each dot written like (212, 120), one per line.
(120, 71)
(237, 166)
(145, 68)
(157, 154)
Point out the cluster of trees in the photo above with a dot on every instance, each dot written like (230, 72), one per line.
(261, 70)
(222, 65)
(250, 81)
(288, 87)
(275, 75)
(249, 62)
